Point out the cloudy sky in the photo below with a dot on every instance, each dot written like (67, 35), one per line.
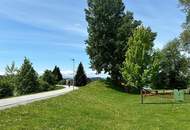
(52, 32)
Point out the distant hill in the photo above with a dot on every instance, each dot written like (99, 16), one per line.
(96, 78)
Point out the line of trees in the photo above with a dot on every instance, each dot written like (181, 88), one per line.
(25, 80)
(122, 47)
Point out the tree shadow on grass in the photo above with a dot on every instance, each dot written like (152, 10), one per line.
(112, 85)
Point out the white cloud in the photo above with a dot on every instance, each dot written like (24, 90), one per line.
(90, 74)
(38, 15)
(76, 28)
(94, 74)
(67, 73)
(82, 46)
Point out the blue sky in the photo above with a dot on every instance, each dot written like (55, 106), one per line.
(52, 32)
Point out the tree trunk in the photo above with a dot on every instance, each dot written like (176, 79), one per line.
(116, 78)
(142, 100)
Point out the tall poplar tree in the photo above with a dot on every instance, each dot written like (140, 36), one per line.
(109, 28)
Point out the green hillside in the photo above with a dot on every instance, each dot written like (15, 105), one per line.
(96, 107)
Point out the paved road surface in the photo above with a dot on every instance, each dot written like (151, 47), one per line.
(22, 100)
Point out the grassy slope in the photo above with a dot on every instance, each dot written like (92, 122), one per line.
(96, 106)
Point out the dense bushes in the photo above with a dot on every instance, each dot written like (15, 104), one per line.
(62, 82)
(43, 86)
(49, 77)
(25, 80)
(173, 71)
(6, 90)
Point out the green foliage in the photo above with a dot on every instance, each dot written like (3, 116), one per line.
(11, 70)
(6, 90)
(185, 4)
(185, 35)
(152, 75)
(186, 8)
(138, 56)
(27, 79)
(80, 77)
(62, 82)
(174, 68)
(96, 107)
(12, 80)
(44, 86)
(109, 29)
(11, 75)
(185, 40)
(49, 77)
(57, 74)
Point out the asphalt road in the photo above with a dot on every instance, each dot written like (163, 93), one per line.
(22, 100)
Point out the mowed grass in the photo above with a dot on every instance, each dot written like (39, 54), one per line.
(96, 107)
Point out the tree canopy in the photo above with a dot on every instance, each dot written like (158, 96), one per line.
(57, 74)
(138, 56)
(185, 35)
(11, 70)
(109, 29)
(174, 68)
(80, 77)
(49, 77)
(27, 78)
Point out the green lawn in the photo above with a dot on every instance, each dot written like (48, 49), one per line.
(96, 107)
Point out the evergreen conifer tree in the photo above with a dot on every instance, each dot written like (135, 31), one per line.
(57, 74)
(27, 81)
(49, 77)
(80, 77)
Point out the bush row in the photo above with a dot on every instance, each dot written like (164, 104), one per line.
(26, 80)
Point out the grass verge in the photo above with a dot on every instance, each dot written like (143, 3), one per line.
(98, 106)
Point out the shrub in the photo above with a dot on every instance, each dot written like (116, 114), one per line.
(62, 82)
(49, 77)
(52, 87)
(43, 86)
(6, 89)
